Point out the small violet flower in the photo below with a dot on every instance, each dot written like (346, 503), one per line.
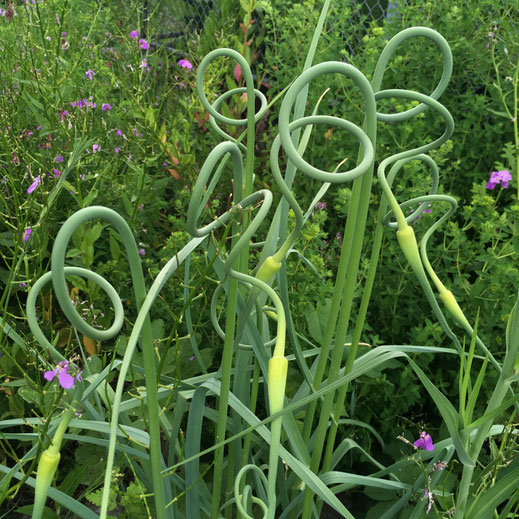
(320, 206)
(65, 380)
(26, 234)
(134, 35)
(424, 442)
(59, 158)
(96, 148)
(105, 107)
(339, 237)
(57, 173)
(34, 185)
(143, 44)
(144, 64)
(142, 252)
(89, 74)
(184, 63)
(499, 177)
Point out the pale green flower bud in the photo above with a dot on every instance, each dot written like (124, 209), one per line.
(454, 308)
(407, 241)
(277, 378)
(268, 269)
(47, 466)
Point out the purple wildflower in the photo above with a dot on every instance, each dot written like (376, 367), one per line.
(144, 64)
(339, 237)
(65, 380)
(320, 206)
(134, 35)
(119, 133)
(89, 74)
(184, 63)
(57, 173)
(26, 234)
(117, 149)
(34, 185)
(499, 177)
(96, 148)
(424, 442)
(59, 158)
(105, 107)
(143, 44)
(142, 252)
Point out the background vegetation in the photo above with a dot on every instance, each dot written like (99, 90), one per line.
(93, 115)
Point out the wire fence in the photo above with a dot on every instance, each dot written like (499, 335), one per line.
(183, 16)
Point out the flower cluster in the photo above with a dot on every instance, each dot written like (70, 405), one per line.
(184, 63)
(80, 103)
(66, 381)
(499, 177)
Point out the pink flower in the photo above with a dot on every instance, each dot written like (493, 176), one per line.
(134, 35)
(34, 185)
(117, 149)
(499, 177)
(144, 64)
(184, 63)
(142, 252)
(89, 74)
(26, 234)
(424, 442)
(105, 107)
(119, 133)
(57, 173)
(143, 44)
(65, 380)
(96, 148)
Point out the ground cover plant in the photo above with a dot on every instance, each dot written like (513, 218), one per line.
(184, 399)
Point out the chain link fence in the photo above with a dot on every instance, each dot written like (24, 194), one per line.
(183, 16)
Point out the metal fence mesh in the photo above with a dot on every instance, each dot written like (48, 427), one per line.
(182, 16)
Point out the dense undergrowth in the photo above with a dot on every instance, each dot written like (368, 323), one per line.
(97, 110)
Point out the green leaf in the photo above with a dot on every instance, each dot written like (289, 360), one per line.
(30, 395)
(90, 197)
(127, 204)
(94, 233)
(115, 250)
(47, 512)
(157, 329)
(448, 412)
(316, 319)
(485, 504)
(96, 497)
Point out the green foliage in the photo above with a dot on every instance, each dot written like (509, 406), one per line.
(141, 157)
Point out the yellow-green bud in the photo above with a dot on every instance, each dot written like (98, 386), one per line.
(407, 241)
(277, 378)
(268, 269)
(47, 466)
(454, 308)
